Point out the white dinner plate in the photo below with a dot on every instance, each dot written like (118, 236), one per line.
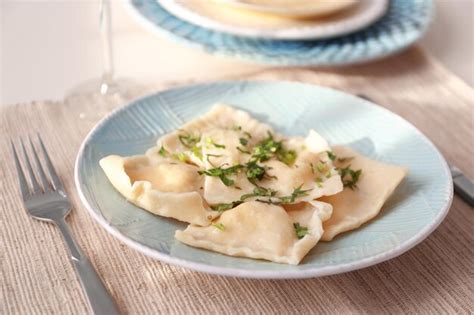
(291, 8)
(225, 18)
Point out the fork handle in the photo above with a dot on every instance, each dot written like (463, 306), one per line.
(97, 295)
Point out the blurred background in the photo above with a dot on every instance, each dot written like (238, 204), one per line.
(48, 47)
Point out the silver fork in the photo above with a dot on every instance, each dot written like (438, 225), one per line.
(47, 200)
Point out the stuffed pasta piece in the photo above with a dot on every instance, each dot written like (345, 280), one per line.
(163, 187)
(262, 231)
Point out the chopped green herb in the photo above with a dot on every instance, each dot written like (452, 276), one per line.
(266, 149)
(243, 141)
(223, 173)
(269, 147)
(260, 192)
(226, 180)
(197, 151)
(312, 168)
(254, 172)
(321, 166)
(329, 174)
(297, 193)
(225, 206)
(180, 156)
(287, 157)
(211, 142)
(319, 182)
(188, 140)
(218, 226)
(331, 156)
(300, 231)
(236, 128)
(247, 134)
(243, 150)
(163, 152)
(349, 176)
(212, 155)
(270, 201)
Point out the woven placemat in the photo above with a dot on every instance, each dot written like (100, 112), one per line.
(436, 276)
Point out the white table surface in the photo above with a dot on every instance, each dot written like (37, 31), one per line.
(48, 47)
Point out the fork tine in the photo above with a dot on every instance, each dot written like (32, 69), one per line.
(52, 172)
(34, 182)
(21, 176)
(42, 175)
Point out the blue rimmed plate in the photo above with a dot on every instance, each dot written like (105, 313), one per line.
(404, 23)
(417, 207)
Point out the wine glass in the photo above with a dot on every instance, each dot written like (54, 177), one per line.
(107, 84)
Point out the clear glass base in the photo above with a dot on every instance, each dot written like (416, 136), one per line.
(108, 95)
(119, 87)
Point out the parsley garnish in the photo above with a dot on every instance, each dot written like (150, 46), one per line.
(266, 148)
(247, 134)
(212, 155)
(297, 193)
(225, 206)
(218, 226)
(180, 156)
(254, 172)
(300, 231)
(321, 166)
(217, 145)
(269, 147)
(188, 140)
(349, 176)
(197, 151)
(223, 173)
(243, 141)
(319, 182)
(287, 157)
(331, 156)
(163, 152)
(243, 150)
(260, 192)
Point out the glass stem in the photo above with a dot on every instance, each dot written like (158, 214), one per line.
(107, 49)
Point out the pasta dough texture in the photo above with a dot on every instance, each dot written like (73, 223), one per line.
(258, 230)
(169, 190)
(354, 207)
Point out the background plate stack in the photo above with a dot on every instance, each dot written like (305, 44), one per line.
(357, 32)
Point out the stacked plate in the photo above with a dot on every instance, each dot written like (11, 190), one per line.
(296, 32)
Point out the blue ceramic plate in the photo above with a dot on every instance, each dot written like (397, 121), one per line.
(404, 23)
(417, 207)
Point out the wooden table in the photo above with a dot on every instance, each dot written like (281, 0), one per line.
(436, 276)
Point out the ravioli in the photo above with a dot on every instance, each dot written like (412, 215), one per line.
(311, 171)
(222, 125)
(248, 191)
(354, 207)
(260, 231)
(168, 189)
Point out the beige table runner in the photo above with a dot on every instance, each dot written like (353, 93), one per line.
(436, 276)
